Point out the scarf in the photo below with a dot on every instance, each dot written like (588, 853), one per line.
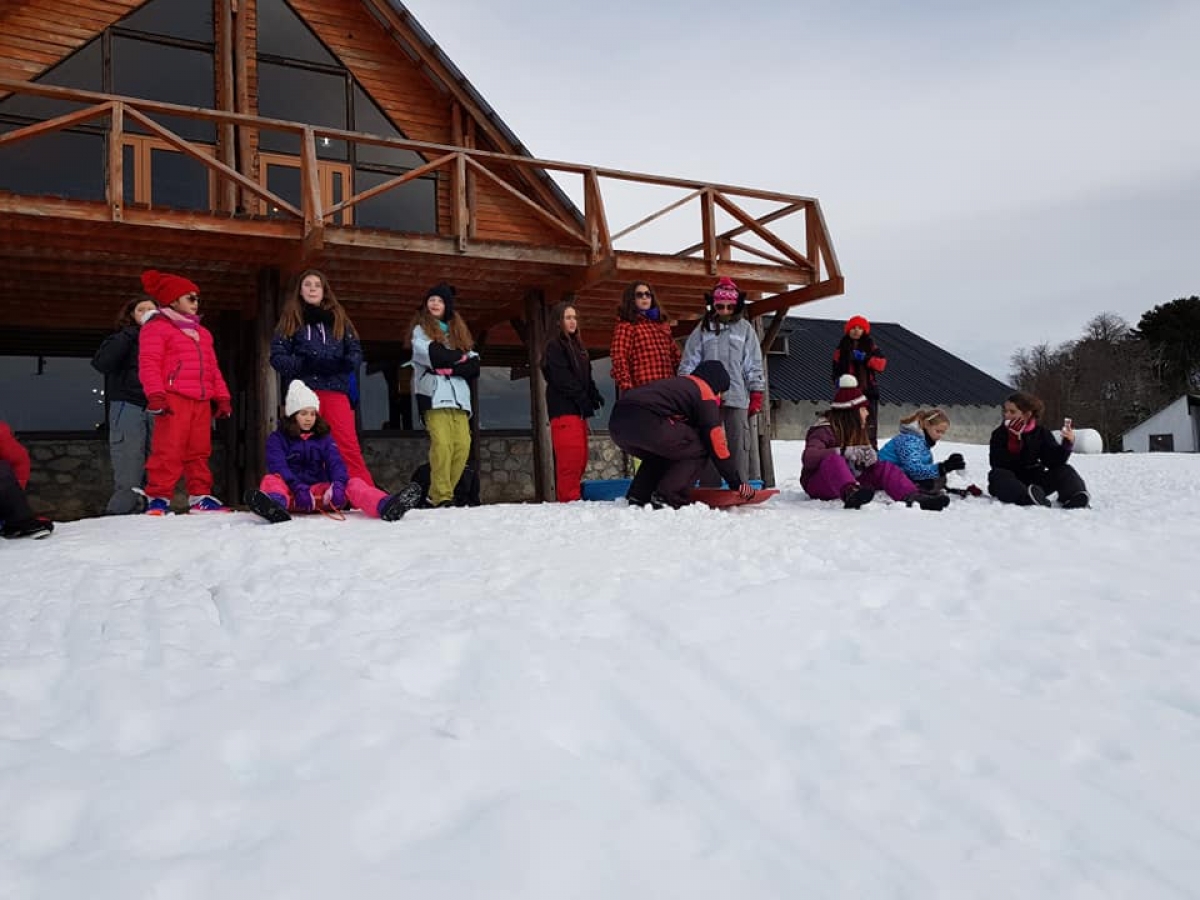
(315, 315)
(189, 325)
(1017, 429)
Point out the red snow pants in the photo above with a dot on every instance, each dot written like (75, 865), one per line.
(181, 445)
(569, 434)
(335, 409)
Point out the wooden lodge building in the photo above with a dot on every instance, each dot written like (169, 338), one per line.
(237, 142)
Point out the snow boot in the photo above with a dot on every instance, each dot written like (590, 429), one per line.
(206, 503)
(267, 506)
(1037, 496)
(1079, 500)
(855, 496)
(158, 506)
(929, 502)
(393, 507)
(36, 528)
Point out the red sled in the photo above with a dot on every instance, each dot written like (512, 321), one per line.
(721, 498)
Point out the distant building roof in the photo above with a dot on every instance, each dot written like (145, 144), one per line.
(918, 372)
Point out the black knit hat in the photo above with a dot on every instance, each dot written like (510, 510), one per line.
(713, 372)
(446, 292)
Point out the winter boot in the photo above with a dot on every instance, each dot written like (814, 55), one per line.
(1079, 500)
(1037, 496)
(36, 528)
(206, 503)
(393, 507)
(270, 506)
(855, 496)
(930, 502)
(157, 506)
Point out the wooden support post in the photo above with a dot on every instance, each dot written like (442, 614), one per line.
(246, 137)
(762, 425)
(535, 344)
(227, 153)
(708, 225)
(115, 188)
(229, 431)
(266, 412)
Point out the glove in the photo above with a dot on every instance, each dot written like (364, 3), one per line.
(157, 405)
(222, 409)
(860, 457)
(756, 401)
(335, 497)
(859, 356)
(746, 491)
(302, 497)
(446, 372)
(954, 463)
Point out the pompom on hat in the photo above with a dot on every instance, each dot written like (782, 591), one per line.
(300, 396)
(166, 288)
(446, 292)
(860, 322)
(849, 394)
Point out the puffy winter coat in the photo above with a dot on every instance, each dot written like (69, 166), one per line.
(305, 460)
(317, 358)
(911, 452)
(14, 454)
(642, 352)
(171, 362)
(570, 388)
(1038, 451)
(436, 391)
(735, 346)
(117, 358)
(867, 370)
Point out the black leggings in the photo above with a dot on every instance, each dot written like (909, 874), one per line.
(1009, 487)
(14, 508)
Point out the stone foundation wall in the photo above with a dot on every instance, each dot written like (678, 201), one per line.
(72, 479)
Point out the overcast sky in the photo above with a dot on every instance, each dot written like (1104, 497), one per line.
(993, 174)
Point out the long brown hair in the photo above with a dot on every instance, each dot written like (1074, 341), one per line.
(125, 316)
(848, 427)
(292, 318)
(576, 351)
(1028, 404)
(458, 337)
(628, 311)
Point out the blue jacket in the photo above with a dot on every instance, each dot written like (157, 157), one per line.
(312, 460)
(910, 451)
(317, 358)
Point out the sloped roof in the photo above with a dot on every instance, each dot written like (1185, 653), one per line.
(918, 371)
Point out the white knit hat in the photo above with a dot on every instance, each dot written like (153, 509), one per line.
(299, 397)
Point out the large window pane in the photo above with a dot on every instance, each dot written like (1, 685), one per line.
(410, 207)
(503, 402)
(129, 173)
(83, 69)
(171, 74)
(61, 164)
(52, 394)
(188, 19)
(178, 181)
(282, 33)
(369, 118)
(285, 182)
(300, 95)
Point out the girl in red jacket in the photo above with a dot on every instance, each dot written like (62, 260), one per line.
(184, 391)
(857, 354)
(16, 518)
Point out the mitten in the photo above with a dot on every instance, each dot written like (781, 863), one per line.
(859, 356)
(954, 463)
(756, 402)
(861, 456)
(302, 497)
(222, 409)
(157, 405)
(335, 497)
(446, 372)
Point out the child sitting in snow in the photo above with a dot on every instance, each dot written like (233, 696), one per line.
(1028, 463)
(839, 462)
(305, 472)
(16, 518)
(912, 448)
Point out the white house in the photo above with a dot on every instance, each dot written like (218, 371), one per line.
(1175, 428)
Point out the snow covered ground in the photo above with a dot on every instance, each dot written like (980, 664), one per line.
(592, 701)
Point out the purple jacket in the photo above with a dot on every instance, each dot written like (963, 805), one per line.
(313, 460)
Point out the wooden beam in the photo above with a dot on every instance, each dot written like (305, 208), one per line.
(754, 251)
(547, 217)
(57, 123)
(780, 303)
(543, 448)
(708, 231)
(832, 266)
(225, 100)
(408, 176)
(746, 219)
(114, 188)
(310, 192)
(246, 158)
(655, 215)
(596, 217)
(780, 213)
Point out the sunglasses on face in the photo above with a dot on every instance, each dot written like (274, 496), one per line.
(638, 295)
(724, 305)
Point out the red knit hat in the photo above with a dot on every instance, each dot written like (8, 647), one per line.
(860, 322)
(848, 395)
(166, 288)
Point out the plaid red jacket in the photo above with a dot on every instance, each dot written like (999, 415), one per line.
(642, 352)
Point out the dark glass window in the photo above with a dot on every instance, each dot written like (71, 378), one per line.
(283, 33)
(61, 164)
(370, 118)
(410, 207)
(83, 69)
(129, 173)
(503, 402)
(170, 74)
(301, 95)
(54, 393)
(177, 181)
(188, 19)
(285, 182)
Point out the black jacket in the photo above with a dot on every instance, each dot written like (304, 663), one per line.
(1039, 452)
(117, 358)
(570, 388)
